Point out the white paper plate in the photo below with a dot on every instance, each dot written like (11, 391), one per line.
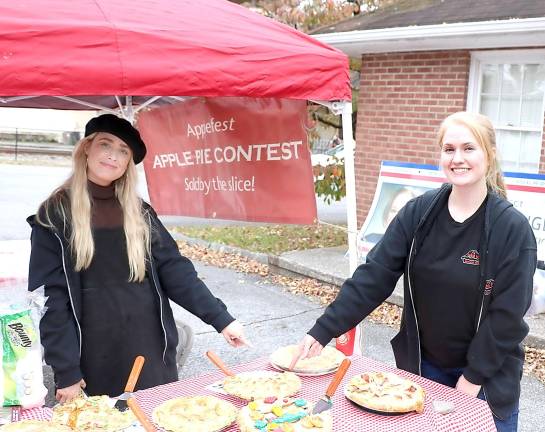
(305, 373)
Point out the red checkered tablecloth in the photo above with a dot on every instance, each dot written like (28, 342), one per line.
(43, 413)
(470, 414)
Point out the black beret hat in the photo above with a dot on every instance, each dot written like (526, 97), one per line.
(122, 129)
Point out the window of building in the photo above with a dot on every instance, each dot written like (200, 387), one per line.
(509, 87)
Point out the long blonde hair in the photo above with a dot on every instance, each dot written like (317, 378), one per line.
(77, 210)
(482, 129)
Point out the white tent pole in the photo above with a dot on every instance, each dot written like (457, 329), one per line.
(349, 173)
(148, 102)
(345, 110)
(129, 111)
(85, 103)
(15, 98)
(119, 103)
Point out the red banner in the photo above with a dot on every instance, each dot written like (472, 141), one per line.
(230, 158)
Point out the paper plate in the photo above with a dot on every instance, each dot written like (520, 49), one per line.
(304, 373)
(326, 363)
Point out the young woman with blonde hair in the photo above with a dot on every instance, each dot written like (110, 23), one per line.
(467, 257)
(109, 268)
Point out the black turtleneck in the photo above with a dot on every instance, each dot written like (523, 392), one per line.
(106, 211)
(119, 319)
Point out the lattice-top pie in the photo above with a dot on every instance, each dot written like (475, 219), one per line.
(385, 392)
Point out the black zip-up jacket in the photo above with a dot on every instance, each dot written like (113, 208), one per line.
(172, 276)
(508, 261)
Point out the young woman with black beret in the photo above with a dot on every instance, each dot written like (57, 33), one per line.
(109, 268)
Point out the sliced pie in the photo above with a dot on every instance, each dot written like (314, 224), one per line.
(385, 392)
(95, 413)
(328, 360)
(194, 414)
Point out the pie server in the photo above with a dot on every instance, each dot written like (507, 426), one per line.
(140, 415)
(219, 363)
(324, 403)
(126, 400)
(121, 403)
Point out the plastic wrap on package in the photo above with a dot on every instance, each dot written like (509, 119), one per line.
(21, 376)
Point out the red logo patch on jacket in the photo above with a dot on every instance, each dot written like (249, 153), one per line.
(471, 257)
(488, 285)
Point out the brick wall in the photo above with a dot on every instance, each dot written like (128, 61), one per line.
(403, 98)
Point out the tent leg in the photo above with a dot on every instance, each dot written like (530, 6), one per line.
(349, 146)
(345, 109)
(129, 111)
(351, 217)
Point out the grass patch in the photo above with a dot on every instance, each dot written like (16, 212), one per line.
(272, 239)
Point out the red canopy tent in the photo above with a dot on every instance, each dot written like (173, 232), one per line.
(100, 48)
(82, 54)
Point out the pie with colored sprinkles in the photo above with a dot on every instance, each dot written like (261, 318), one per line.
(194, 414)
(327, 362)
(34, 426)
(95, 413)
(262, 384)
(283, 415)
(385, 392)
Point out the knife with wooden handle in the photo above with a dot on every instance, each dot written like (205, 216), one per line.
(140, 415)
(219, 363)
(324, 403)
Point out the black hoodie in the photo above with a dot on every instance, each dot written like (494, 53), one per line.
(508, 261)
(51, 265)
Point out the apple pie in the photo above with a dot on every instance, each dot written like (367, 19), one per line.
(327, 362)
(262, 384)
(194, 414)
(385, 392)
(94, 413)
